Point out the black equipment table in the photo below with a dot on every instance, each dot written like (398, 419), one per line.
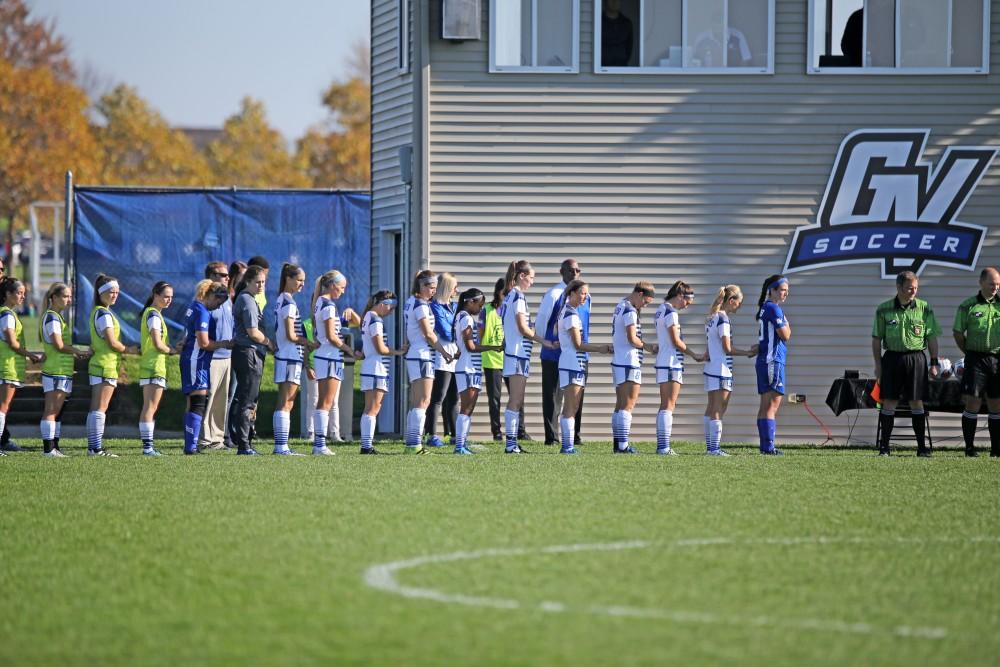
(852, 394)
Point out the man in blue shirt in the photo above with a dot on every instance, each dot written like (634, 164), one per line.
(547, 320)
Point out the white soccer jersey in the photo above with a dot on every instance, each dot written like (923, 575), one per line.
(668, 357)
(326, 310)
(286, 309)
(626, 356)
(468, 361)
(374, 363)
(719, 364)
(52, 325)
(515, 344)
(570, 358)
(415, 310)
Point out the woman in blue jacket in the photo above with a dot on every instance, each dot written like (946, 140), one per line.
(444, 395)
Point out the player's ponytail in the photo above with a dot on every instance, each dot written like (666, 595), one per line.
(54, 289)
(765, 288)
(515, 271)
(421, 279)
(469, 296)
(679, 287)
(376, 298)
(574, 286)
(726, 292)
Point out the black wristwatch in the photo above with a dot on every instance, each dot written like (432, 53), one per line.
(935, 362)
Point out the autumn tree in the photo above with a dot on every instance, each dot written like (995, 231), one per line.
(337, 152)
(250, 153)
(27, 43)
(138, 147)
(44, 132)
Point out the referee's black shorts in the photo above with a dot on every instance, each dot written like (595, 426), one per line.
(982, 374)
(904, 376)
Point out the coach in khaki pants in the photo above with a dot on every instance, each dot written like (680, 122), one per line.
(213, 427)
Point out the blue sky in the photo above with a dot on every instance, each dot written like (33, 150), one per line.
(195, 60)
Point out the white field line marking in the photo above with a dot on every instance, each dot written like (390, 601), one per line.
(383, 577)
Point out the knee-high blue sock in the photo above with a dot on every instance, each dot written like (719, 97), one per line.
(762, 434)
(771, 427)
(192, 427)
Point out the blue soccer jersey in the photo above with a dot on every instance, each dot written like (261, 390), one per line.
(772, 348)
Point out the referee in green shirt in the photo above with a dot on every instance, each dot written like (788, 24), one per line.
(977, 333)
(904, 326)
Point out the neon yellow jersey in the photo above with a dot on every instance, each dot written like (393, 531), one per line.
(56, 363)
(12, 364)
(105, 361)
(153, 363)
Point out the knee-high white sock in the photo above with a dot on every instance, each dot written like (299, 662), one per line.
(58, 433)
(48, 429)
(367, 431)
(462, 424)
(566, 426)
(707, 422)
(664, 425)
(333, 430)
(626, 426)
(510, 420)
(415, 426)
(321, 420)
(95, 430)
(715, 435)
(282, 423)
(146, 434)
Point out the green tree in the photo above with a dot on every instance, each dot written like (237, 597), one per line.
(251, 153)
(337, 152)
(138, 147)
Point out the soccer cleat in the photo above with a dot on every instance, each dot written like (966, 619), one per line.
(11, 446)
(369, 451)
(884, 452)
(498, 437)
(627, 450)
(187, 452)
(669, 451)
(286, 452)
(1, 453)
(571, 450)
(246, 452)
(101, 452)
(462, 451)
(924, 453)
(323, 451)
(419, 449)
(716, 452)
(516, 449)
(55, 454)
(434, 441)
(971, 453)
(152, 451)
(773, 452)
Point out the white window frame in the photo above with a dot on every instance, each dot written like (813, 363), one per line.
(736, 71)
(573, 68)
(403, 36)
(812, 55)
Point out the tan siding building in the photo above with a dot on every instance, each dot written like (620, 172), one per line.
(662, 177)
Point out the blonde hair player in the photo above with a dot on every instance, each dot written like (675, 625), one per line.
(719, 366)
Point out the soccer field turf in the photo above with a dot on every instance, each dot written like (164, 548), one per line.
(819, 557)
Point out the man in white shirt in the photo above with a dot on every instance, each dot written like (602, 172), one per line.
(546, 322)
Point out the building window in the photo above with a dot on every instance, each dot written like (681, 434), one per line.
(534, 35)
(899, 36)
(403, 36)
(684, 36)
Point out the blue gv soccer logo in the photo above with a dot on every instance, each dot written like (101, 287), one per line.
(883, 204)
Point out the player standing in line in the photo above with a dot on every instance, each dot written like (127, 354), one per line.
(154, 346)
(329, 356)
(573, 359)
(13, 351)
(469, 368)
(105, 342)
(374, 365)
(719, 365)
(670, 351)
(517, 337)
(196, 357)
(422, 341)
(772, 344)
(288, 359)
(626, 366)
(57, 371)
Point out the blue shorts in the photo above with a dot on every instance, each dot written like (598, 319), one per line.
(195, 372)
(770, 377)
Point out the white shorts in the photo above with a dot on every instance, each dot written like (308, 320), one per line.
(159, 382)
(12, 383)
(374, 383)
(714, 383)
(669, 375)
(96, 380)
(623, 374)
(566, 378)
(420, 369)
(287, 371)
(464, 381)
(516, 366)
(327, 369)
(57, 383)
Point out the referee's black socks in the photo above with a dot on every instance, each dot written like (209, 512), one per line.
(994, 433)
(919, 426)
(970, 422)
(886, 418)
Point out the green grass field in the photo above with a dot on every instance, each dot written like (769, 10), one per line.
(822, 557)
